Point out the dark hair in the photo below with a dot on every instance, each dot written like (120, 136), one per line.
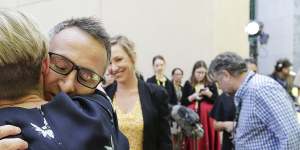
(197, 65)
(177, 68)
(250, 61)
(158, 57)
(90, 25)
(282, 63)
(228, 61)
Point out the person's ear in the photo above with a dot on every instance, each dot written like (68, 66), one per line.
(226, 75)
(45, 65)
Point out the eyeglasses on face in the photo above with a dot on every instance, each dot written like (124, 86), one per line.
(62, 65)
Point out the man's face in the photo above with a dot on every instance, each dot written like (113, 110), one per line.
(225, 81)
(286, 71)
(82, 49)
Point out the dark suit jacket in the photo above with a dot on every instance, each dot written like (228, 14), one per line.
(188, 90)
(169, 87)
(154, 104)
(81, 123)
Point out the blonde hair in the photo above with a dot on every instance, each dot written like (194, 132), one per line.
(127, 45)
(22, 50)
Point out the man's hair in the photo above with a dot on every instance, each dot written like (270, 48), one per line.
(22, 50)
(250, 61)
(90, 25)
(282, 63)
(228, 61)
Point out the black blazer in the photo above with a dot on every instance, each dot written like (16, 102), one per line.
(169, 87)
(81, 123)
(188, 90)
(154, 104)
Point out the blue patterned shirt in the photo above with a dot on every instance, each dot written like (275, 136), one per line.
(266, 117)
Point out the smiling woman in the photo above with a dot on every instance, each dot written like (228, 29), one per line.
(142, 108)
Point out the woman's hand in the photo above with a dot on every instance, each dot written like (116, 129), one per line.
(195, 96)
(206, 92)
(11, 143)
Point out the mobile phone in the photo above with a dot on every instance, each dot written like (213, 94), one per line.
(201, 90)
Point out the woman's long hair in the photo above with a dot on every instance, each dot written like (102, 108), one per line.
(197, 65)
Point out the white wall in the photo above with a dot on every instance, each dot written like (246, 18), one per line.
(47, 13)
(231, 16)
(182, 31)
(278, 19)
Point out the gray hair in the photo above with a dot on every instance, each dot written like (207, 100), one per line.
(228, 61)
(90, 25)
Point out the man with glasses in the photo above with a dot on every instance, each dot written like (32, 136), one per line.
(79, 53)
(64, 66)
(265, 119)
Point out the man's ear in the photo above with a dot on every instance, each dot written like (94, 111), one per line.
(226, 74)
(45, 65)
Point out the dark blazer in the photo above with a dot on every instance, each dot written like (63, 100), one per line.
(154, 104)
(188, 90)
(80, 123)
(169, 87)
(181, 89)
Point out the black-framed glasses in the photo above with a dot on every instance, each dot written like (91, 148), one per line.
(62, 65)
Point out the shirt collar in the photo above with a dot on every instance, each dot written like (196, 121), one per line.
(242, 89)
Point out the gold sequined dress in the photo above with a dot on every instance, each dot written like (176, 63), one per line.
(132, 125)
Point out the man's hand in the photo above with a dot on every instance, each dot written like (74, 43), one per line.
(11, 143)
(228, 126)
(224, 125)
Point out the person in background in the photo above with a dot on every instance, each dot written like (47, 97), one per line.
(297, 82)
(223, 113)
(142, 108)
(297, 86)
(159, 65)
(281, 74)
(108, 79)
(178, 137)
(251, 64)
(199, 94)
(177, 75)
(264, 118)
